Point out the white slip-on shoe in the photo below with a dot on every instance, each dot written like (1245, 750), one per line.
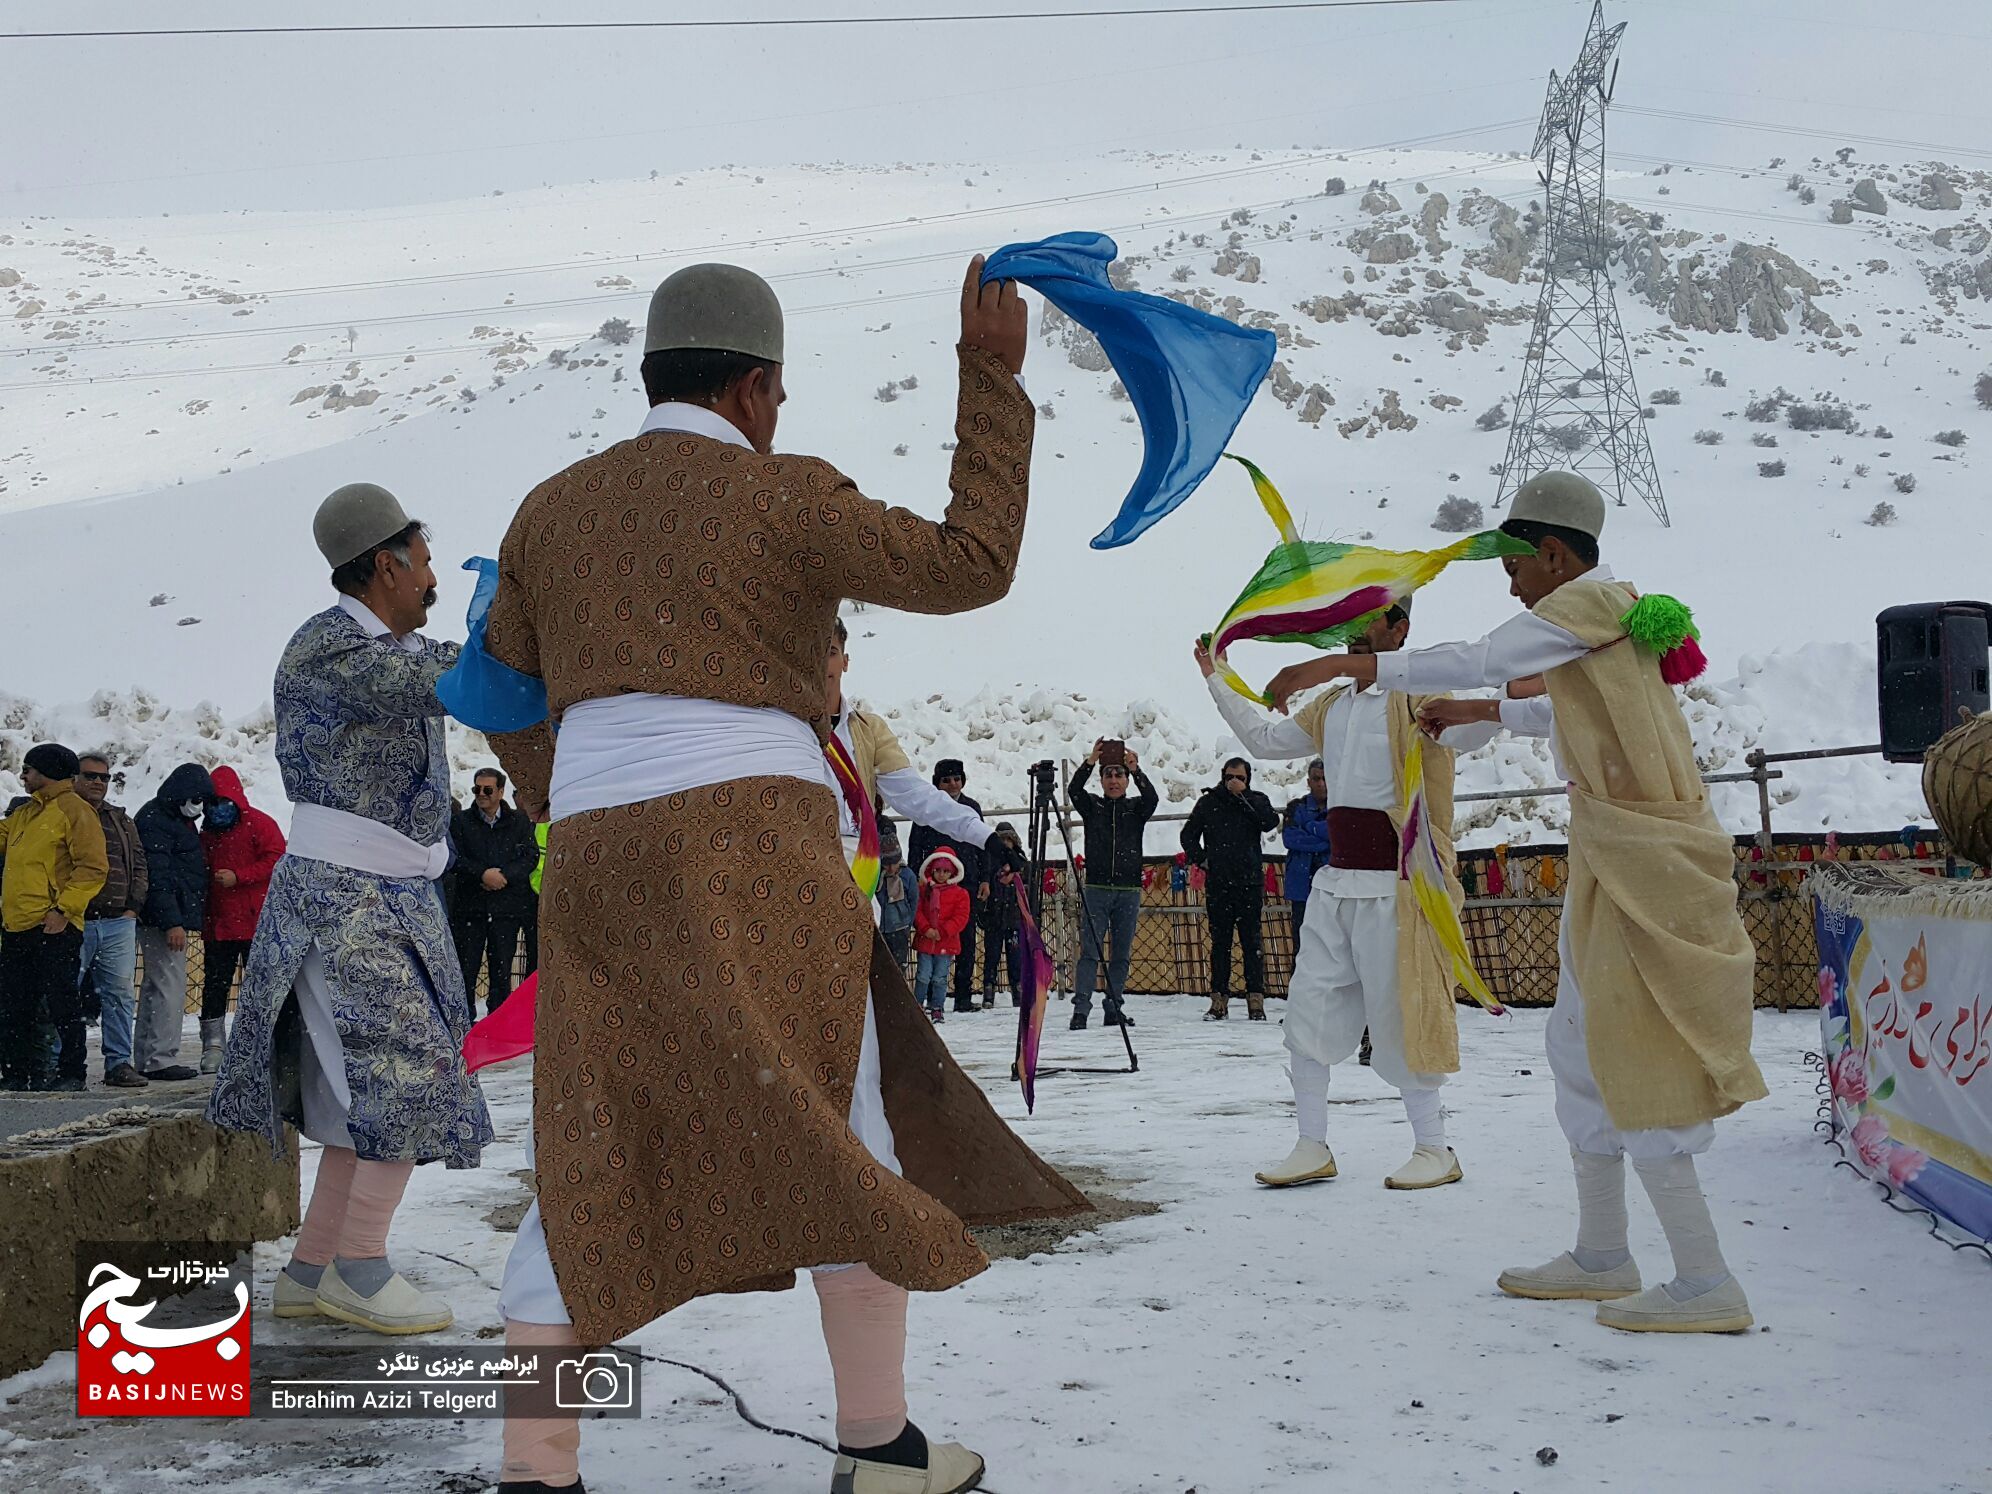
(292, 1298)
(1429, 1167)
(398, 1307)
(1720, 1309)
(1564, 1280)
(1308, 1162)
(951, 1469)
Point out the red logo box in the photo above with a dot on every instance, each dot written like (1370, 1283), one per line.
(162, 1331)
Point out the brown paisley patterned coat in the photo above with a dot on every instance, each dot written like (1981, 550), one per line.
(705, 957)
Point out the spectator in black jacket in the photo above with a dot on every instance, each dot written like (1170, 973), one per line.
(1225, 837)
(175, 906)
(1002, 922)
(950, 777)
(1114, 825)
(496, 854)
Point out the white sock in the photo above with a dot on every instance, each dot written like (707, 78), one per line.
(1310, 1097)
(1428, 1117)
(1677, 1198)
(1601, 1219)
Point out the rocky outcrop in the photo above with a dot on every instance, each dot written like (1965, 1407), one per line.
(1431, 218)
(1386, 415)
(1939, 194)
(1333, 308)
(1754, 286)
(1391, 248)
(1867, 197)
(1812, 319)
(1376, 202)
(1238, 264)
(1843, 211)
(1451, 312)
(1509, 244)
(1081, 346)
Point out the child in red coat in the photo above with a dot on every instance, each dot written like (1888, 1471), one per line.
(937, 925)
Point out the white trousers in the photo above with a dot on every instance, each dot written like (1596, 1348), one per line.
(1345, 979)
(1580, 1110)
(530, 1294)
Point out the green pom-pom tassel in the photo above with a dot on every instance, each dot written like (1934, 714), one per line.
(1661, 623)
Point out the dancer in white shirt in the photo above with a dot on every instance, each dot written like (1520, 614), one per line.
(1365, 956)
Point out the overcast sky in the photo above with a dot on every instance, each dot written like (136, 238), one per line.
(113, 127)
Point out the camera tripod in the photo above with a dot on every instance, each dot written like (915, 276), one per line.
(1043, 801)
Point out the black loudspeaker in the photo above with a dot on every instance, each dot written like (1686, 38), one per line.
(1931, 663)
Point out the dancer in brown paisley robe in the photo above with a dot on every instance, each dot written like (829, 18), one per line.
(714, 1004)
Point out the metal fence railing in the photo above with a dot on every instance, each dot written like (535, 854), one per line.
(1513, 906)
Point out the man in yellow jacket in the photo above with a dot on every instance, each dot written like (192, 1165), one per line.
(54, 863)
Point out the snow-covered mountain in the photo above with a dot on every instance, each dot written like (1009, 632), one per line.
(180, 392)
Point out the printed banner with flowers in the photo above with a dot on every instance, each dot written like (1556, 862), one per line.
(1905, 996)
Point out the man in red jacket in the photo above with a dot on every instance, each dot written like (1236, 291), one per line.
(243, 846)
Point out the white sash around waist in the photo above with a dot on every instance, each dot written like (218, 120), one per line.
(623, 749)
(361, 844)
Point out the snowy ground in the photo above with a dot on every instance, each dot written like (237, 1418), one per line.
(1237, 1341)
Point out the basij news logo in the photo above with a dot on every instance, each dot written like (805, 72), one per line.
(162, 1329)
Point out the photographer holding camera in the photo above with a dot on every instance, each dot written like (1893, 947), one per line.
(1114, 825)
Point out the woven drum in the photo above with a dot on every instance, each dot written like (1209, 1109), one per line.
(1957, 782)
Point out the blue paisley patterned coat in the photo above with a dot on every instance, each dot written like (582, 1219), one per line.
(359, 729)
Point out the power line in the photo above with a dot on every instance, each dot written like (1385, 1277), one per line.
(863, 267)
(399, 357)
(1090, 77)
(735, 246)
(1682, 116)
(732, 23)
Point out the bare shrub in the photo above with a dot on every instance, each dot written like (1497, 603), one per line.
(1493, 417)
(1334, 187)
(1983, 388)
(1824, 416)
(615, 331)
(1905, 482)
(1716, 377)
(1765, 407)
(1708, 438)
(1567, 438)
(1950, 438)
(1771, 469)
(887, 393)
(1665, 396)
(1882, 517)
(1458, 516)
(1763, 438)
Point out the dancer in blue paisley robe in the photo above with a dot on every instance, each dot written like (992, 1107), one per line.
(352, 1009)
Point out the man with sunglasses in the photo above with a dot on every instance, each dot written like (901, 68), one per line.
(110, 926)
(1114, 827)
(496, 855)
(52, 851)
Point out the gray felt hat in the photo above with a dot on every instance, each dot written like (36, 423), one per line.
(359, 515)
(720, 307)
(1563, 499)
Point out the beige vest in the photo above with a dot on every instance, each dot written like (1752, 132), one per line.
(1425, 990)
(1658, 950)
(874, 749)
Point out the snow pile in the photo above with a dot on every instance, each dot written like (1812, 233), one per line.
(1820, 695)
